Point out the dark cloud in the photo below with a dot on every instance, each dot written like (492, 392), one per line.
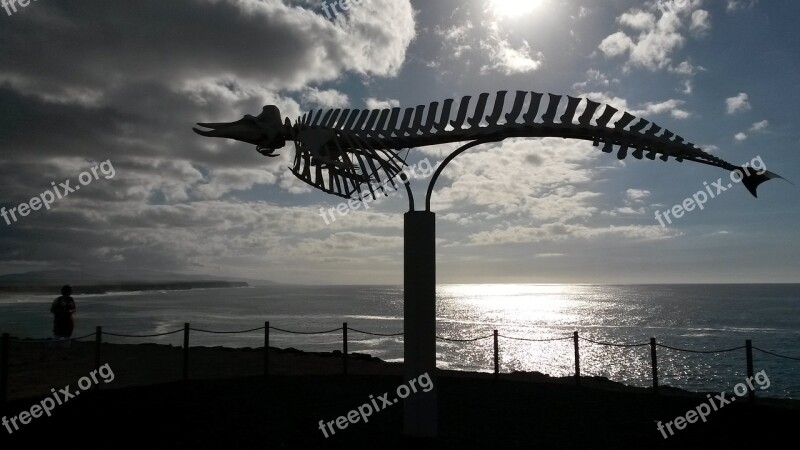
(84, 81)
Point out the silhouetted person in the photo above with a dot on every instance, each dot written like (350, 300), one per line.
(62, 310)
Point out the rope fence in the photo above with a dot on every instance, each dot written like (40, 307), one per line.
(139, 335)
(463, 340)
(6, 342)
(701, 351)
(775, 354)
(376, 334)
(611, 344)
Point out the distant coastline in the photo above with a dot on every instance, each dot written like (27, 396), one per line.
(105, 288)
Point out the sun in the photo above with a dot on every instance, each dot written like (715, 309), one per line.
(513, 8)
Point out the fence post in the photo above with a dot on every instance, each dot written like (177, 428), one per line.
(751, 393)
(266, 348)
(496, 357)
(344, 347)
(98, 341)
(186, 351)
(4, 350)
(654, 359)
(577, 359)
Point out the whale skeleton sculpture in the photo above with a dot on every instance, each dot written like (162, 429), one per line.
(339, 151)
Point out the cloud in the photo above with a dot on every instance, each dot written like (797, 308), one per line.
(637, 194)
(735, 5)
(559, 232)
(509, 60)
(274, 43)
(485, 43)
(634, 204)
(656, 40)
(701, 21)
(617, 44)
(374, 103)
(650, 41)
(523, 178)
(672, 106)
(638, 20)
(595, 78)
(760, 126)
(549, 255)
(685, 68)
(739, 103)
(126, 81)
(330, 98)
(740, 137)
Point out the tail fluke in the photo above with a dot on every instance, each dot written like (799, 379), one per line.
(752, 180)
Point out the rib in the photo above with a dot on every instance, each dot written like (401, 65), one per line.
(572, 109)
(516, 110)
(477, 117)
(591, 107)
(499, 103)
(552, 109)
(462, 113)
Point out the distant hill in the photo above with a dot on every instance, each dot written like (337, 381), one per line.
(50, 282)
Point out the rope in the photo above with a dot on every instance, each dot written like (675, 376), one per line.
(306, 332)
(534, 340)
(464, 340)
(32, 341)
(226, 332)
(142, 335)
(700, 351)
(400, 334)
(84, 337)
(375, 334)
(775, 354)
(612, 344)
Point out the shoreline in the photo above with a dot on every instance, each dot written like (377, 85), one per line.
(121, 287)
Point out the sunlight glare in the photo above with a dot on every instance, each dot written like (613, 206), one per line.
(513, 8)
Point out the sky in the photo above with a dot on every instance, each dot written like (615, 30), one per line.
(104, 93)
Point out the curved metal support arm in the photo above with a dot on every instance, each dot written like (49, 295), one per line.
(447, 161)
(407, 183)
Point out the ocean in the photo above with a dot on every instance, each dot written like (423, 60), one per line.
(697, 317)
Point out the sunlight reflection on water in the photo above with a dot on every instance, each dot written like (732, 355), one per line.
(700, 317)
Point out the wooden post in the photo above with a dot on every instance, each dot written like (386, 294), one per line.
(751, 394)
(186, 351)
(98, 341)
(654, 360)
(344, 347)
(496, 357)
(577, 359)
(4, 350)
(266, 348)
